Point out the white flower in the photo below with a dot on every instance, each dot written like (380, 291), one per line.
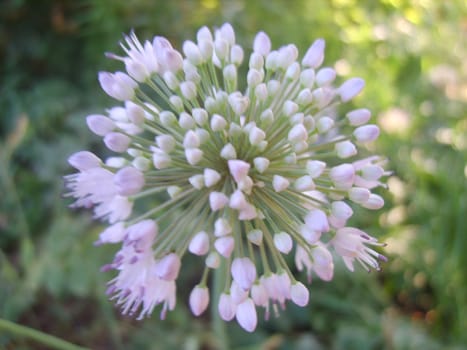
(241, 173)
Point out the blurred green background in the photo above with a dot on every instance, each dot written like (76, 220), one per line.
(412, 55)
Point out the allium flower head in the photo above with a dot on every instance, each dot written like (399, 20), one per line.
(242, 177)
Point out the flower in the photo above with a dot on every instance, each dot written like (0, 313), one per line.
(245, 176)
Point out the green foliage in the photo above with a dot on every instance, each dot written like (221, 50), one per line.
(411, 54)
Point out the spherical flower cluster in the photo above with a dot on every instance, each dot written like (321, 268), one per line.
(240, 178)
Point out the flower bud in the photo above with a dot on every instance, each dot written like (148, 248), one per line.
(199, 300)
(315, 54)
(199, 244)
(350, 88)
(99, 124)
(129, 181)
(168, 267)
(283, 242)
(243, 272)
(117, 142)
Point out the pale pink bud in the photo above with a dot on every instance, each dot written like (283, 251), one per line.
(192, 52)
(255, 236)
(293, 71)
(350, 88)
(129, 181)
(136, 70)
(199, 244)
(191, 140)
(272, 60)
(372, 172)
(325, 76)
(290, 108)
(273, 87)
(204, 34)
(304, 183)
(358, 116)
(315, 54)
(141, 234)
(307, 78)
(237, 293)
(283, 242)
(135, 113)
(297, 133)
(247, 213)
(172, 60)
(315, 168)
(359, 194)
(168, 267)
(287, 55)
(259, 295)
(261, 164)
(341, 210)
(237, 200)
(171, 80)
(256, 135)
(84, 160)
(226, 307)
(197, 181)
(199, 300)
(228, 152)
(193, 155)
(112, 234)
(261, 92)
(345, 149)
(165, 142)
(267, 116)
(262, 44)
(99, 124)
(238, 102)
(305, 97)
(317, 220)
(217, 200)
(324, 124)
(117, 85)
(228, 33)
(230, 74)
(186, 121)
(211, 177)
(366, 133)
(298, 118)
(246, 315)
(200, 116)
(167, 118)
(374, 202)
(280, 183)
(322, 262)
(236, 55)
(213, 260)
(342, 175)
(310, 235)
(218, 123)
(206, 48)
(256, 61)
(299, 294)
(238, 169)
(188, 90)
(243, 272)
(225, 245)
(161, 160)
(221, 49)
(222, 227)
(117, 142)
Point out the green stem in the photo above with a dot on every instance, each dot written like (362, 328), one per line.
(220, 333)
(38, 336)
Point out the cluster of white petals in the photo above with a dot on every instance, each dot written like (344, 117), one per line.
(240, 177)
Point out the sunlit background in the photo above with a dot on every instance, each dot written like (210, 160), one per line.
(412, 54)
